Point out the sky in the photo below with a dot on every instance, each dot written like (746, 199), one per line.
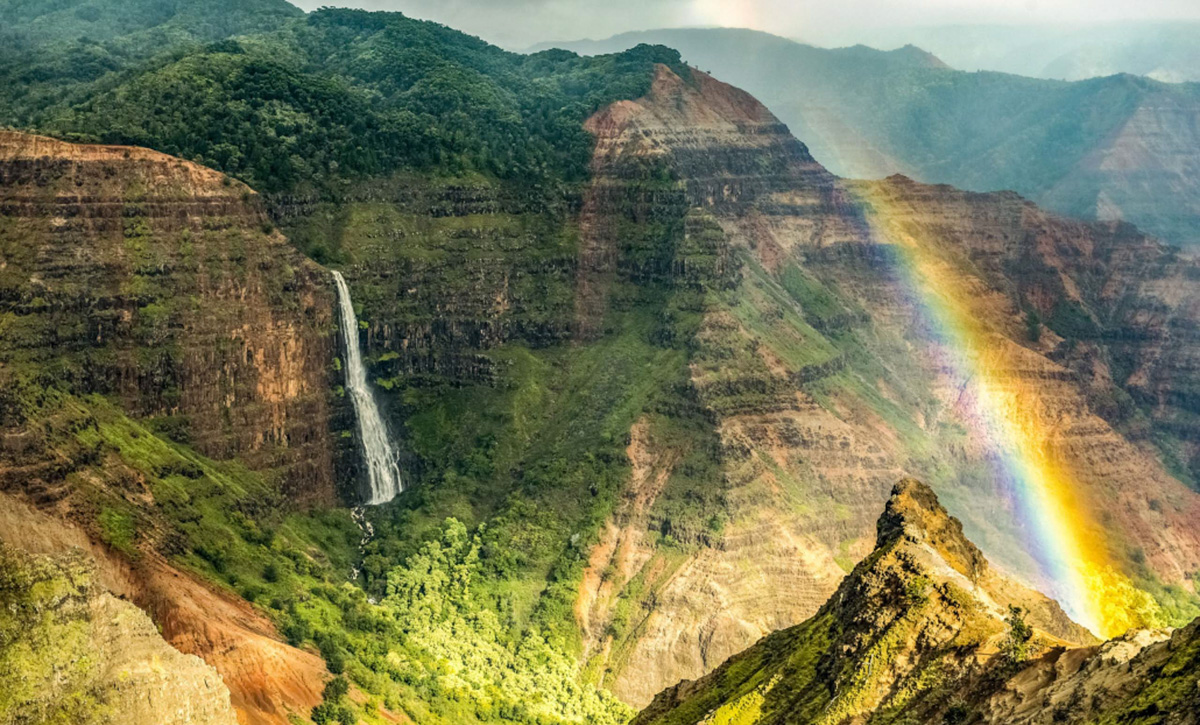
(518, 24)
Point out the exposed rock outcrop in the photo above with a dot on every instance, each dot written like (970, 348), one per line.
(806, 363)
(924, 631)
(72, 652)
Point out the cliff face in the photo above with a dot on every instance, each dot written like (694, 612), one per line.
(924, 630)
(822, 376)
(1111, 361)
(128, 273)
(167, 368)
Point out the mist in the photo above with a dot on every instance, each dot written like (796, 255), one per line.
(517, 24)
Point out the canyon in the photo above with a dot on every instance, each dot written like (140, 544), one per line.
(645, 419)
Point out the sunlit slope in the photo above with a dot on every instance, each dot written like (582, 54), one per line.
(924, 630)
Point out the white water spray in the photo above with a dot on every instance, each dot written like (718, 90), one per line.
(382, 469)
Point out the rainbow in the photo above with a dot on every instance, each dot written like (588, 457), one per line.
(1068, 545)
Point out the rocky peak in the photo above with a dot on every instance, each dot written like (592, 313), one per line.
(905, 639)
(920, 545)
(922, 610)
(817, 270)
(719, 140)
(914, 513)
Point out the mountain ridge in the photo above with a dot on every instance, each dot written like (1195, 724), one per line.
(911, 636)
(1123, 153)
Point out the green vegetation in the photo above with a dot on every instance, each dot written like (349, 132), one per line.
(443, 175)
(778, 675)
(54, 53)
(133, 22)
(336, 95)
(1016, 645)
(45, 641)
(333, 707)
(432, 647)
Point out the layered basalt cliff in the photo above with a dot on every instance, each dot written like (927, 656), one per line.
(167, 373)
(824, 383)
(1109, 347)
(132, 274)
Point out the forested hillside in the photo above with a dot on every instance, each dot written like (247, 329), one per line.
(333, 95)
(52, 53)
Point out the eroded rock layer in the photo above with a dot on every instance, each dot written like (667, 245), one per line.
(129, 273)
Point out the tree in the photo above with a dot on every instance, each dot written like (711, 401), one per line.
(1016, 645)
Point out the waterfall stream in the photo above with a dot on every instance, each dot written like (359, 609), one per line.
(359, 514)
(382, 470)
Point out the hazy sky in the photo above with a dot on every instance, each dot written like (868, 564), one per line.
(519, 23)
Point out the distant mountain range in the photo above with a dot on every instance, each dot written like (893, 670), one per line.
(1165, 51)
(1121, 147)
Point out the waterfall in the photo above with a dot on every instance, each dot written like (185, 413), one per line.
(382, 469)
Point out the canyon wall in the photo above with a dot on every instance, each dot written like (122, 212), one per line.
(167, 378)
(132, 274)
(75, 653)
(824, 384)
